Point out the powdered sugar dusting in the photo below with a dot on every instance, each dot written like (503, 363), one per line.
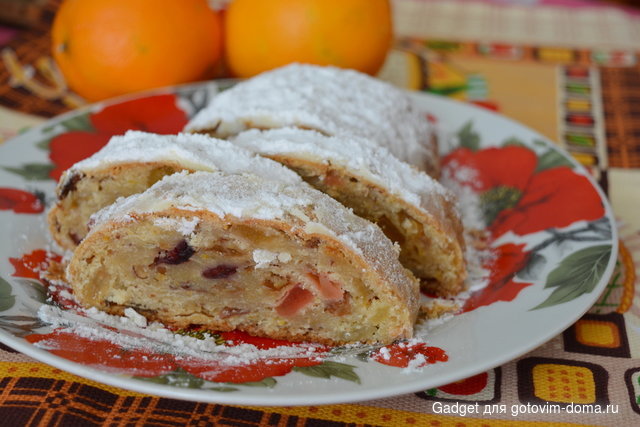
(478, 253)
(135, 317)
(355, 154)
(331, 100)
(386, 354)
(421, 195)
(189, 151)
(183, 225)
(264, 258)
(238, 196)
(418, 361)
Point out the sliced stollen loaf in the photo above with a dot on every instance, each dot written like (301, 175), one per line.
(330, 100)
(412, 208)
(131, 163)
(241, 252)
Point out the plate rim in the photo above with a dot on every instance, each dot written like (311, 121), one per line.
(267, 397)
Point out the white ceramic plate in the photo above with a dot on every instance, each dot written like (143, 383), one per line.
(555, 239)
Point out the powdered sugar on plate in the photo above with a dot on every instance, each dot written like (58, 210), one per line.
(131, 332)
(478, 253)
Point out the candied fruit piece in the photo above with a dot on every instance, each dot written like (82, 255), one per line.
(328, 289)
(333, 179)
(295, 299)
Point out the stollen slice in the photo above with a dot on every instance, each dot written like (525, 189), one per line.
(240, 252)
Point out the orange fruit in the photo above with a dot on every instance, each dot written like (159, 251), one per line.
(265, 34)
(106, 48)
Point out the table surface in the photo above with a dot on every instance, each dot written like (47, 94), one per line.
(517, 59)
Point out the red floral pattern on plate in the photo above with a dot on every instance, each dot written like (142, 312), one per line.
(20, 201)
(143, 363)
(30, 265)
(531, 200)
(521, 194)
(158, 114)
(256, 370)
(401, 354)
(509, 260)
(104, 354)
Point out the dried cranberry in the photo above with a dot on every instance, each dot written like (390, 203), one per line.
(221, 271)
(181, 253)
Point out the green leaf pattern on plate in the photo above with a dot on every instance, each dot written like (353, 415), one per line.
(20, 326)
(552, 159)
(577, 274)
(328, 369)
(469, 138)
(7, 299)
(32, 171)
